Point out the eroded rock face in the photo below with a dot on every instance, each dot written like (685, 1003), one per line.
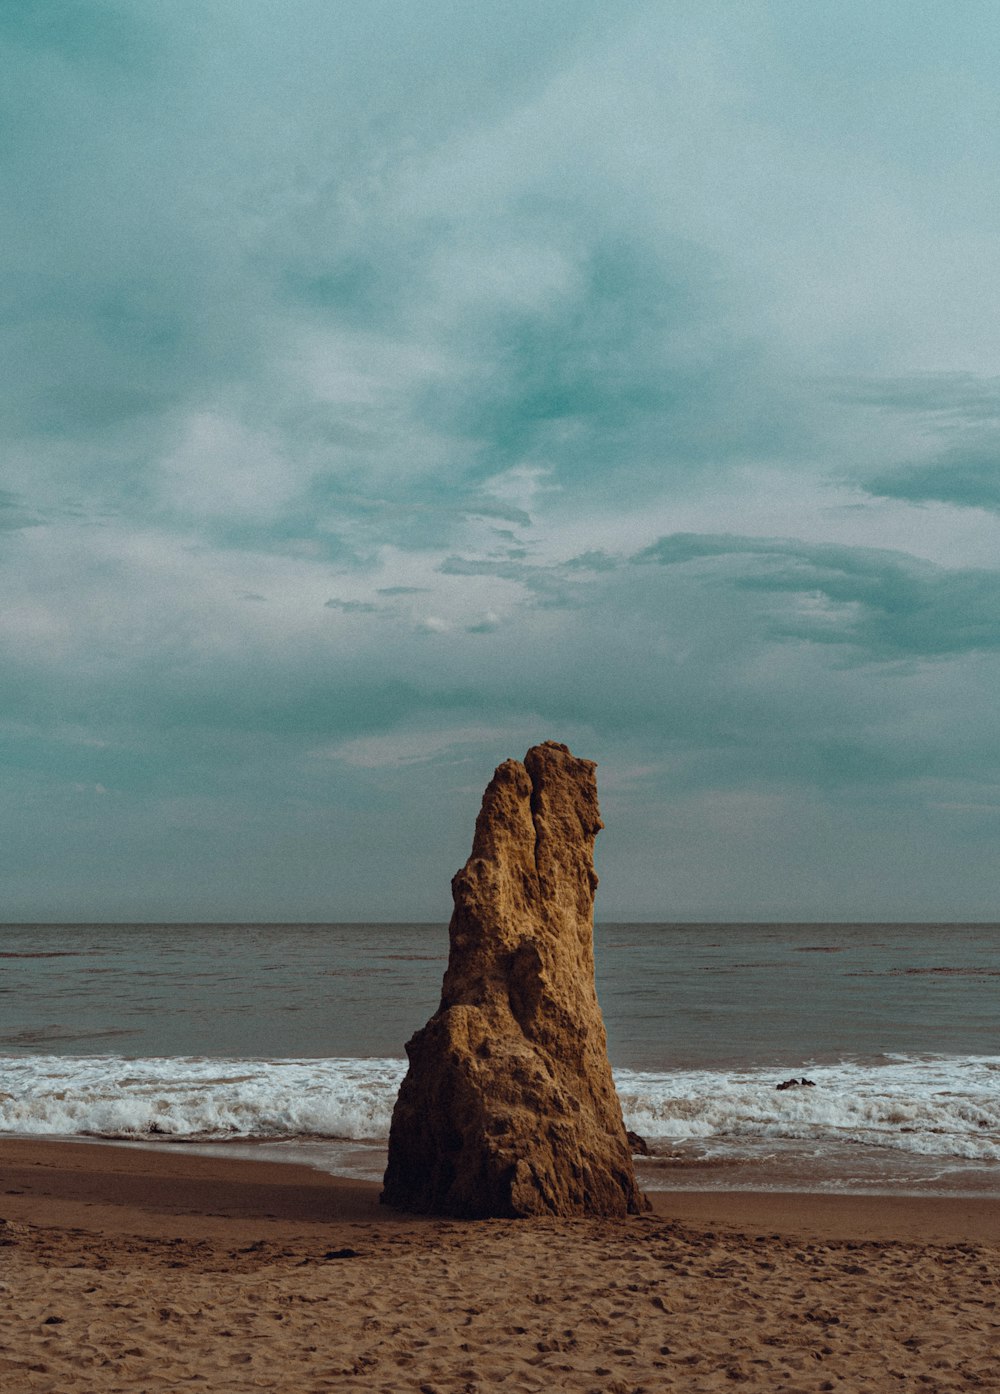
(509, 1108)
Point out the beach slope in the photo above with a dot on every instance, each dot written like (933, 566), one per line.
(127, 1269)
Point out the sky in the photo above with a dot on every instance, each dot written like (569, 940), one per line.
(390, 387)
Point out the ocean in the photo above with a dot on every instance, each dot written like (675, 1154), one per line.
(286, 1041)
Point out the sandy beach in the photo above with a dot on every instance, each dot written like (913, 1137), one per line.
(131, 1270)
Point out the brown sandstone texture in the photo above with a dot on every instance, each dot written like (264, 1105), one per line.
(508, 1108)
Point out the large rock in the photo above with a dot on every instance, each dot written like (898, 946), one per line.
(509, 1107)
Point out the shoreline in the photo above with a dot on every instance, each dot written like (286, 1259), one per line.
(658, 1174)
(146, 1189)
(149, 1269)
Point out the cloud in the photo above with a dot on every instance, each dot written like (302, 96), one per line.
(544, 583)
(967, 476)
(603, 356)
(949, 398)
(292, 332)
(14, 515)
(882, 604)
(489, 624)
(351, 607)
(419, 747)
(944, 444)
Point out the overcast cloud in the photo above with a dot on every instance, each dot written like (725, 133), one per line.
(390, 387)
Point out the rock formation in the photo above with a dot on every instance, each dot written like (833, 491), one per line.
(508, 1107)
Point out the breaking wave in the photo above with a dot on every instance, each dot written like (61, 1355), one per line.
(936, 1106)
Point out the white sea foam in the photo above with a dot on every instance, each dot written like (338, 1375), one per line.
(933, 1106)
(107, 1096)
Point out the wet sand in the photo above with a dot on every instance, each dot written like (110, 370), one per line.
(133, 1270)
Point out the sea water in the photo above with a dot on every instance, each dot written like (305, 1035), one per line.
(287, 1041)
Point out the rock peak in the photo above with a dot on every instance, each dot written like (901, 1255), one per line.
(508, 1107)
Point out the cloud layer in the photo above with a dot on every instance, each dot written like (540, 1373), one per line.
(393, 386)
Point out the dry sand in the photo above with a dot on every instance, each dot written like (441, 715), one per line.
(132, 1270)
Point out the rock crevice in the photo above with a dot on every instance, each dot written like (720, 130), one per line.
(508, 1107)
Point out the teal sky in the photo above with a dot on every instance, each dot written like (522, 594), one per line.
(388, 387)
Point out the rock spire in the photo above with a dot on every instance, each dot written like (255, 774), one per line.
(508, 1107)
